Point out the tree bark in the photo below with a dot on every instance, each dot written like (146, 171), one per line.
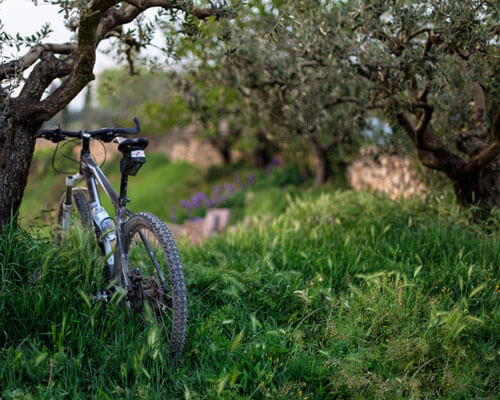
(225, 152)
(480, 186)
(17, 143)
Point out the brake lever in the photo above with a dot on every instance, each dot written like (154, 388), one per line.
(57, 139)
(54, 138)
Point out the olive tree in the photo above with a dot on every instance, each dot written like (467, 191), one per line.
(433, 66)
(23, 111)
(216, 107)
(285, 61)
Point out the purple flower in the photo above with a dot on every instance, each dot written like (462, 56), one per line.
(198, 199)
(237, 177)
(186, 204)
(229, 188)
(216, 191)
(251, 179)
(275, 162)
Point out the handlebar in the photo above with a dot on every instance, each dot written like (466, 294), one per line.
(104, 134)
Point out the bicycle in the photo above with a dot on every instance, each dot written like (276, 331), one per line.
(137, 247)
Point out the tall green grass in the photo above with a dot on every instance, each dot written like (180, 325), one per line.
(344, 295)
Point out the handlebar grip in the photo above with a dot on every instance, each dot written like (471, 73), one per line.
(129, 131)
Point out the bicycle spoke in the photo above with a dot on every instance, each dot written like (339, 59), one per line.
(153, 257)
(158, 274)
(144, 254)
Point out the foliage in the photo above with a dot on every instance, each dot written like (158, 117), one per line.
(217, 107)
(150, 94)
(344, 295)
(290, 93)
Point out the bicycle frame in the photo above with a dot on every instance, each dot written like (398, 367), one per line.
(93, 176)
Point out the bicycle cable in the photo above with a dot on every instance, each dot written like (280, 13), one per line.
(53, 164)
(74, 160)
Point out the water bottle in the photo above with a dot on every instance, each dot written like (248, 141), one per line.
(103, 221)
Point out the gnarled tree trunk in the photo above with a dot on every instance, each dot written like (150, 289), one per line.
(480, 186)
(17, 142)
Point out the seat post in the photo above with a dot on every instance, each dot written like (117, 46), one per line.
(122, 202)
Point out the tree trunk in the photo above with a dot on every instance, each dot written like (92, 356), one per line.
(262, 152)
(17, 144)
(480, 187)
(225, 152)
(224, 149)
(322, 172)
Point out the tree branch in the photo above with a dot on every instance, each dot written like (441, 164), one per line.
(407, 124)
(432, 152)
(423, 123)
(82, 72)
(428, 44)
(115, 17)
(43, 74)
(416, 33)
(14, 67)
(99, 20)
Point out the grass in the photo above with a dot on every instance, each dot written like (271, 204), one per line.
(344, 295)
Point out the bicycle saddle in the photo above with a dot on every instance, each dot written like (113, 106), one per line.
(133, 144)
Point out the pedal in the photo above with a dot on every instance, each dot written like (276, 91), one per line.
(101, 296)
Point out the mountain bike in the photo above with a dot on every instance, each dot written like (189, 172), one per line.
(142, 262)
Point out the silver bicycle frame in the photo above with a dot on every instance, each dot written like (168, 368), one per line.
(94, 176)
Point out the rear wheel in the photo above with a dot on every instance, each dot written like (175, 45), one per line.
(156, 277)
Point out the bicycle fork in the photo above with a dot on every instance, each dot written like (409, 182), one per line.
(68, 202)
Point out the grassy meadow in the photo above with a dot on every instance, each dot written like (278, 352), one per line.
(341, 295)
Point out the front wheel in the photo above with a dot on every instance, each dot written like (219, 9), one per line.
(152, 255)
(81, 215)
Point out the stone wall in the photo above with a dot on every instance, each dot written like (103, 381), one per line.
(390, 174)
